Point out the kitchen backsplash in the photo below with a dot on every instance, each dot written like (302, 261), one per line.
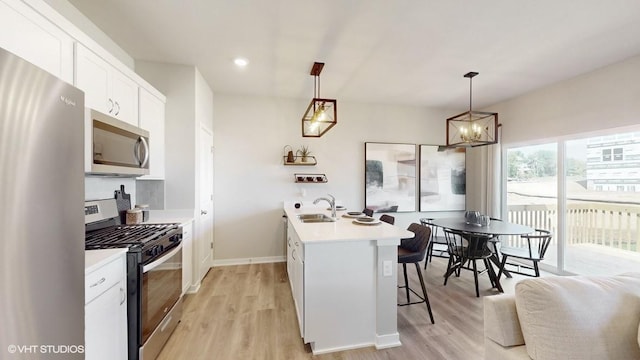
(151, 192)
(96, 188)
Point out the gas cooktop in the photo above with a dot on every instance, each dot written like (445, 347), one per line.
(103, 231)
(123, 235)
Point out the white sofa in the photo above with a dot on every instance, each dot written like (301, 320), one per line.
(570, 317)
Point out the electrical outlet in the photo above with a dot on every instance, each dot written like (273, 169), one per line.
(386, 268)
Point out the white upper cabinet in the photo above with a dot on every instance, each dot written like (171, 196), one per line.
(124, 93)
(32, 37)
(152, 120)
(106, 88)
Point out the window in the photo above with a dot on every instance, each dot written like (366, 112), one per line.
(597, 233)
(617, 154)
(531, 194)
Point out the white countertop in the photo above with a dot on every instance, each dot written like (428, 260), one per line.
(341, 230)
(182, 217)
(94, 259)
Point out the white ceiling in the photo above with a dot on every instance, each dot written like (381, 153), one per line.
(388, 51)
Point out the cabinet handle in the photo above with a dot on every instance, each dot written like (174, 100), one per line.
(111, 106)
(117, 111)
(122, 293)
(98, 282)
(293, 254)
(203, 212)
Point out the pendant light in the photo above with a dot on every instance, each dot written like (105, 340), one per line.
(321, 114)
(472, 128)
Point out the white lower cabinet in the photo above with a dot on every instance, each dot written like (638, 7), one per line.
(295, 268)
(106, 311)
(187, 256)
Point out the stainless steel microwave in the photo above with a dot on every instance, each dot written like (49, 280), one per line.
(114, 147)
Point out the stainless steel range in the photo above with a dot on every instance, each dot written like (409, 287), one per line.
(154, 274)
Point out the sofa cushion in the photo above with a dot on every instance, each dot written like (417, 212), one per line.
(580, 317)
(501, 322)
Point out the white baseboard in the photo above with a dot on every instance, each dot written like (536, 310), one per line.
(246, 261)
(387, 341)
(193, 289)
(319, 351)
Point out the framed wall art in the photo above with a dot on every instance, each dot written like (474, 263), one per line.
(390, 177)
(442, 178)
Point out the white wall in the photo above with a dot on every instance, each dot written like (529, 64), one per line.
(603, 99)
(96, 188)
(203, 101)
(178, 84)
(251, 181)
(67, 10)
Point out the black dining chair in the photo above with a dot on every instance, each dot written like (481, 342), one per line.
(536, 247)
(388, 219)
(441, 250)
(413, 250)
(466, 247)
(368, 212)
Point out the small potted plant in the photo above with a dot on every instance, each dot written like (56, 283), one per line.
(304, 153)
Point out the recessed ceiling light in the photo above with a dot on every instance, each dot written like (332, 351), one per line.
(240, 62)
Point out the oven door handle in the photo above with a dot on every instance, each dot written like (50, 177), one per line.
(165, 257)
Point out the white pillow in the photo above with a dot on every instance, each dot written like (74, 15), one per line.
(579, 317)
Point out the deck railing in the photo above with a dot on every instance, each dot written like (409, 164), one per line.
(608, 224)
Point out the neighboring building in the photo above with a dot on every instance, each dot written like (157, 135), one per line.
(613, 162)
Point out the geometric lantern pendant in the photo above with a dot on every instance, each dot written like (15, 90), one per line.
(321, 114)
(472, 128)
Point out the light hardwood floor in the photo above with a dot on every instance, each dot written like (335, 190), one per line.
(247, 312)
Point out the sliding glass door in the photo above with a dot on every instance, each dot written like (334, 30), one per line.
(603, 204)
(531, 188)
(586, 190)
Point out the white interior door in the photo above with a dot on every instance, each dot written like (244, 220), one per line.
(205, 232)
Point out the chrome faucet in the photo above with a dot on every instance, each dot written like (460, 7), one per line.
(332, 203)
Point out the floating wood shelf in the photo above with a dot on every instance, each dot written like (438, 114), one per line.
(310, 178)
(297, 160)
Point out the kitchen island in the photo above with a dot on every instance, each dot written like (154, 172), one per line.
(344, 281)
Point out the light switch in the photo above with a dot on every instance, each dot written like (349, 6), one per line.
(386, 268)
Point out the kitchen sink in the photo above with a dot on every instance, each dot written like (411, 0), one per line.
(315, 218)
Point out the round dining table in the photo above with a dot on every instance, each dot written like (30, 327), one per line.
(494, 229)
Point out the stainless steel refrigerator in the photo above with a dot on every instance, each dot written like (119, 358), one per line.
(41, 214)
